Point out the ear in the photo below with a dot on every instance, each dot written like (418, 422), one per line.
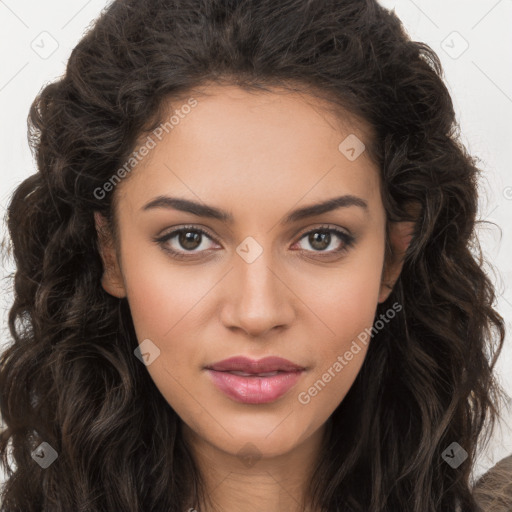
(112, 279)
(400, 237)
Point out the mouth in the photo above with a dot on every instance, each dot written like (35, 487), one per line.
(255, 382)
(251, 367)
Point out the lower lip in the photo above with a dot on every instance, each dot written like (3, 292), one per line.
(254, 390)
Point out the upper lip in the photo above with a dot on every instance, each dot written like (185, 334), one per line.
(247, 365)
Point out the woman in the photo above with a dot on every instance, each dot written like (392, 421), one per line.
(246, 271)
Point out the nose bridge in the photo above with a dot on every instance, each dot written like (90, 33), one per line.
(259, 300)
(256, 279)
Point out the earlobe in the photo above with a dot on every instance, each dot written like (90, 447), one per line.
(112, 279)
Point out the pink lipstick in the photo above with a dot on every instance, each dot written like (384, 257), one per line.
(255, 382)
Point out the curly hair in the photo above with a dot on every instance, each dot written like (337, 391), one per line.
(70, 378)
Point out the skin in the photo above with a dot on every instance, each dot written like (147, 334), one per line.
(257, 156)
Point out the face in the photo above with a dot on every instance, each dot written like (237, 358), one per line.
(255, 272)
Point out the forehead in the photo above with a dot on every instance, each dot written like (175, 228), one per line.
(243, 144)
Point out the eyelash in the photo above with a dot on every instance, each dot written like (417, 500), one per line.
(348, 240)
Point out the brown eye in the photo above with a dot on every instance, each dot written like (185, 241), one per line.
(189, 240)
(319, 240)
(322, 238)
(185, 242)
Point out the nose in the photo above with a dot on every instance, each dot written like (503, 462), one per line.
(259, 299)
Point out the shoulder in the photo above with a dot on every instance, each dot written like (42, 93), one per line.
(493, 491)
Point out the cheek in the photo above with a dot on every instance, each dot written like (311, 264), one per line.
(346, 303)
(354, 299)
(346, 298)
(165, 303)
(163, 296)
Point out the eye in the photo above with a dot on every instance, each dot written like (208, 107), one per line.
(323, 237)
(188, 239)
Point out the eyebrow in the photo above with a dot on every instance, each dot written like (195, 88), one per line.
(203, 210)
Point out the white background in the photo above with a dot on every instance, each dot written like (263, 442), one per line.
(473, 39)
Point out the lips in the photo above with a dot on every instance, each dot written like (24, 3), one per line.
(254, 382)
(253, 367)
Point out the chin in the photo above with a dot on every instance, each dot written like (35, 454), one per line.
(258, 437)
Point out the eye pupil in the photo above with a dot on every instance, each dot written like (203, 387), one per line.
(324, 238)
(189, 242)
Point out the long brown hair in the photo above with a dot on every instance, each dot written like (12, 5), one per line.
(70, 377)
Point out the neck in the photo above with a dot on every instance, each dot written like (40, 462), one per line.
(250, 481)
